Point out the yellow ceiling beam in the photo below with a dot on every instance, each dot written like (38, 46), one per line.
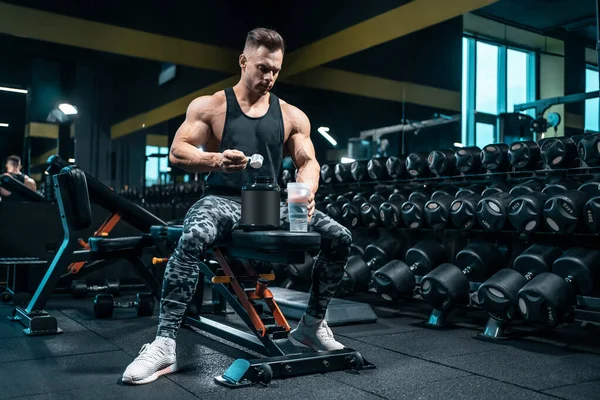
(400, 21)
(50, 27)
(167, 111)
(378, 88)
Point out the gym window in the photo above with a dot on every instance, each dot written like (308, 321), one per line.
(495, 77)
(157, 165)
(592, 108)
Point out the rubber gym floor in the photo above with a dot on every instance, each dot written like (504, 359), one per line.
(413, 362)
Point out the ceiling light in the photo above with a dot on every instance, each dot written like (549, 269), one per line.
(67, 109)
(3, 125)
(9, 89)
(323, 131)
(456, 144)
(347, 160)
(71, 160)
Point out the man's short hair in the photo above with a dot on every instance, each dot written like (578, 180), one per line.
(265, 37)
(14, 159)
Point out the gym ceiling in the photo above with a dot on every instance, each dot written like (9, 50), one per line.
(128, 37)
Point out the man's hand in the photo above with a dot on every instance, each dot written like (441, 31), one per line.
(233, 160)
(311, 206)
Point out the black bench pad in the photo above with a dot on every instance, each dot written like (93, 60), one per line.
(271, 241)
(115, 244)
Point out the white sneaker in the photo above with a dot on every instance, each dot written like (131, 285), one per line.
(154, 360)
(316, 334)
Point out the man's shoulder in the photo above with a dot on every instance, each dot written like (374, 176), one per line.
(208, 101)
(207, 105)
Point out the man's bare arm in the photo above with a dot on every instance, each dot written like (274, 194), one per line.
(302, 150)
(30, 183)
(194, 132)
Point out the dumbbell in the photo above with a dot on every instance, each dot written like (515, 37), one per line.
(376, 168)
(449, 284)
(559, 152)
(463, 209)
(437, 210)
(591, 213)
(492, 211)
(324, 202)
(327, 173)
(494, 189)
(390, 210)
(301, 272)
(560, 186)
(334, 210)
(343, 172)
(412, 210)
(357, 273)
(529, 186)
(369, 211)
(397, 278)
(80, 288)
(468, 160)
(416, 165)
(563, 212)
(351, 211)
(442, 162)
(525, 212)
(359, 171)
(494, 157)
(498, 295)
(396, 167)
(589, 150)
(104, 305)
(525, 156)
(549, 298)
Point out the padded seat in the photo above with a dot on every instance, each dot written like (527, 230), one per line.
(104, 244)
(271, 241)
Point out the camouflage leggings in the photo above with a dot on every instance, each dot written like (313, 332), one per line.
(213, 217)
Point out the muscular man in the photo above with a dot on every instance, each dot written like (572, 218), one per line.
(13, 168)
(231, 125)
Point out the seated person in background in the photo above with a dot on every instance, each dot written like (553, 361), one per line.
(13, 168)
(230, 125)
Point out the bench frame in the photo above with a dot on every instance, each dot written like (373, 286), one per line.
(36, 320)
(246, 294)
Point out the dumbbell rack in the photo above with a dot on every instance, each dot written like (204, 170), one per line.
(588, 308)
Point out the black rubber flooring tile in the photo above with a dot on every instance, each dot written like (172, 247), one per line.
(383, 326)
(197, 376)
(47, 375)
(303, 387)
(433, 344)
(162, 389)
(579, 391)
(36, 347)
(393, 370)
(15, 329)
(533, 365)
(469, 387)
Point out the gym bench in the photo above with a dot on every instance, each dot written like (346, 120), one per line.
(246, 290)
(74, 206)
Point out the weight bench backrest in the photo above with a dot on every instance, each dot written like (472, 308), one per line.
(74, 197)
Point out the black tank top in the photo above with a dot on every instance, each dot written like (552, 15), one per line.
(262, 135)
(19, 177)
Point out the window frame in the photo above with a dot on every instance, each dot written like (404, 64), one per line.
(469, 88)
